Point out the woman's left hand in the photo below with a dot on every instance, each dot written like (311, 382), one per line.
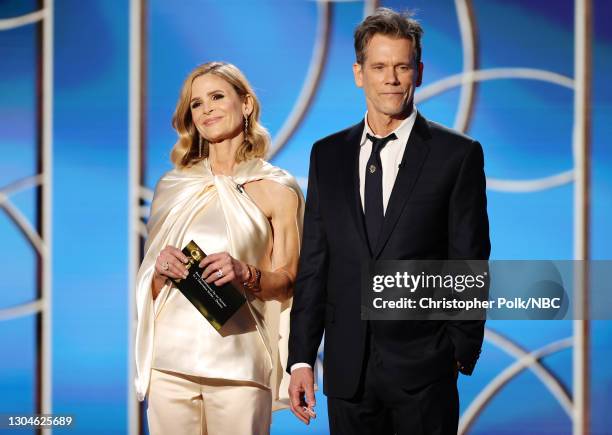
(221, 268)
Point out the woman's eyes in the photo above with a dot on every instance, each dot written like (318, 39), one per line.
(213, 97)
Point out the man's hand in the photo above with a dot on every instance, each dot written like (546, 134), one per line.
(301, 394)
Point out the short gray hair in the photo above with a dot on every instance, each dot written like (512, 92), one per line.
(387, 22)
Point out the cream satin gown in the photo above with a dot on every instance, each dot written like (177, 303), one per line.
(215, 212)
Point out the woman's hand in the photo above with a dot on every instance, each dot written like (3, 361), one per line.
(221, 268)
(170, 263)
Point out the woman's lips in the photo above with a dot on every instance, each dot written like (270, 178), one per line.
(211, 121)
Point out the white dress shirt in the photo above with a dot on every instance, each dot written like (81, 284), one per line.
(390, 156)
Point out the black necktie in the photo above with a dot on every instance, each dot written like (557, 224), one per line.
(373, 200)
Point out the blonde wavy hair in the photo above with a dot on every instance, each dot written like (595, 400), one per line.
(186, 149)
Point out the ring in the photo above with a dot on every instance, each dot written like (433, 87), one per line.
(219, 273)
(165, 265)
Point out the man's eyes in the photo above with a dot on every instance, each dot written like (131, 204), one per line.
(399, 67)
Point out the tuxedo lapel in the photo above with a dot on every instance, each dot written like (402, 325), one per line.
(414, 155)
(351, 177)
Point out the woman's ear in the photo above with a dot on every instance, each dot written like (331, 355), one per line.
(247, 105)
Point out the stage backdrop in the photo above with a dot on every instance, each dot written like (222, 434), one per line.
(75, 177)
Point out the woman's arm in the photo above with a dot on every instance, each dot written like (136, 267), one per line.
(158, 283)
(280, 204)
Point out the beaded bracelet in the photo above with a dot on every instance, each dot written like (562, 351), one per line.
(253, 281)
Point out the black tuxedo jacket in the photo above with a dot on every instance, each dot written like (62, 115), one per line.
(437, 210)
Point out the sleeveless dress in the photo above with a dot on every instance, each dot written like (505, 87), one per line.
(217, 213)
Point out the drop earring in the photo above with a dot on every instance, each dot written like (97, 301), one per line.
(200, 147)
(246, 125)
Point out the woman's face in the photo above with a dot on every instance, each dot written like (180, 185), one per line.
(216, 109)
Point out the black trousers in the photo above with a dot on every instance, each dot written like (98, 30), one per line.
(383, 407)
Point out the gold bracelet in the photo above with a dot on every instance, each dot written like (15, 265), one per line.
(253, 282)
(245, 282)
(257, 286)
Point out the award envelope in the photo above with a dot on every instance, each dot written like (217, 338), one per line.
(216, 304)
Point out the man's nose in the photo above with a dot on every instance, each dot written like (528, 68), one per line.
(391, 77)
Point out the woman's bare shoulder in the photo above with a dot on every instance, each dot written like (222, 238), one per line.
(271, 197)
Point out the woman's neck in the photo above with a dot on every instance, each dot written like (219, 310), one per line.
(222, 155)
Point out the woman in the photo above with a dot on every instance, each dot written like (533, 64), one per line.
(247, 216)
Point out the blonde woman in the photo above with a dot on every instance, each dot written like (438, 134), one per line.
(247, 216)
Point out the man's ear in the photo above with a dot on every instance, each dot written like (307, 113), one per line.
(419, 79)
(358, 74)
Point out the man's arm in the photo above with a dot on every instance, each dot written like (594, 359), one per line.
(468, 240)
(308, 309)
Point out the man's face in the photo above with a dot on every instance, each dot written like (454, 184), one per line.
(389, 75)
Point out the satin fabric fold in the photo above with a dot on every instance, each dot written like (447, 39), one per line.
(179, 197)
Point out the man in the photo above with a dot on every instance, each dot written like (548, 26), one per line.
(393, 187)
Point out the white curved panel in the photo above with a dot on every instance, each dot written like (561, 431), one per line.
(23, 225)
(22, 184)
(450, 82)
(529, 360)
(23, 20)
(467, 28)
(531, 185)
(311, 83)
(22, 310)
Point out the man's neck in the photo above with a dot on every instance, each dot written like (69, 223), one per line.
(382, 125)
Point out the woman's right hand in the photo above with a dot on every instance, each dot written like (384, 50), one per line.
(170, 263)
